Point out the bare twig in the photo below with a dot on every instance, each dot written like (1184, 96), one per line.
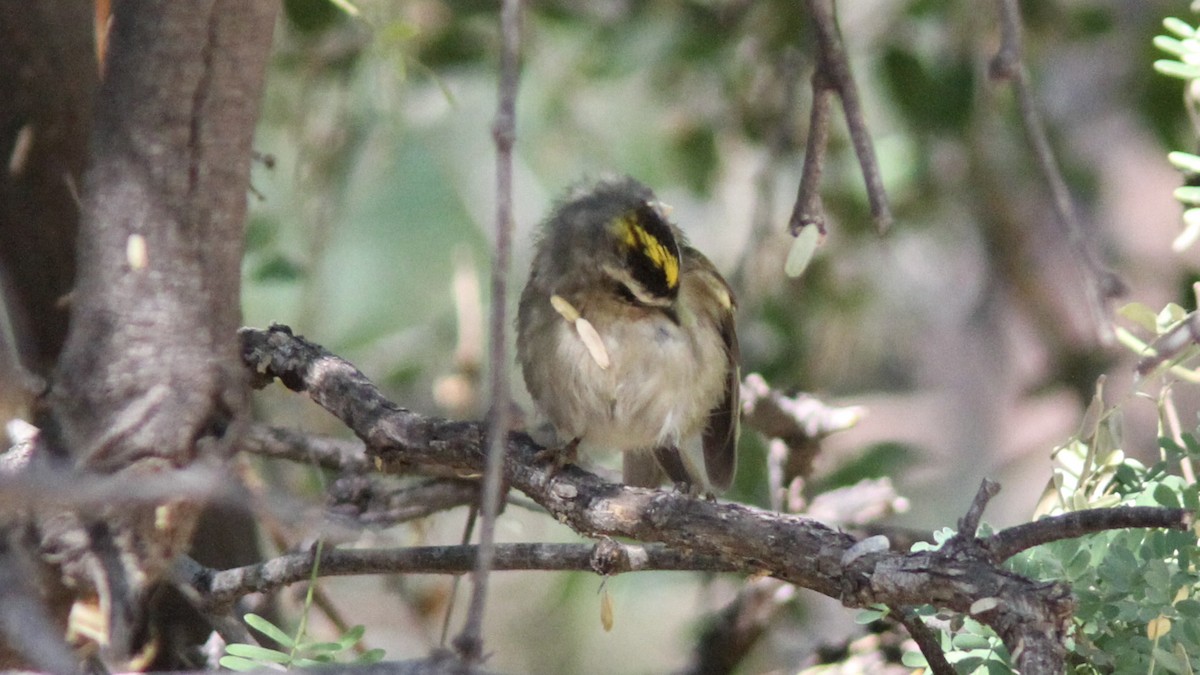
(220, 587)
(468, 532)
(328, 453)
(833, 72)
(969, 523)
(926, 640)
(1171, 344)
(367, 502)
(808, 209)
(219, 615)
(469, 642)
(1005, 544)
(1100, 284)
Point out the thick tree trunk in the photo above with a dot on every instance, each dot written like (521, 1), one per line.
(150, 367)
(149, 378)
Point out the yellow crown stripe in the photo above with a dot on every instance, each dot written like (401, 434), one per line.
(634, 235)
(662, 257)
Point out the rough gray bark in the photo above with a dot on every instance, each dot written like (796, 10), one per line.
(149, 378)
(150, 365)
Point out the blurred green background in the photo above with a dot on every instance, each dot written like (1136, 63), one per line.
(963, 331)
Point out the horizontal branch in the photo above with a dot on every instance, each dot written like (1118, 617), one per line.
(1031, 617)
(1004, 545)
(225, 586)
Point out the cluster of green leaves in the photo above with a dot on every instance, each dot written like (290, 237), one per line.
(301, 652)
(1183, 44)
(1136, 589)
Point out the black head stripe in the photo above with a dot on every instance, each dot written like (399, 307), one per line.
(651, 252)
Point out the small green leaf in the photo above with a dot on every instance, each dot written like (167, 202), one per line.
(1172, 451)
(869, 615)
(1139, 314)
(1168, 661)
(315, 660)
(968, 641)
(967, 664)
(1188, 194)
(1192, 445)
(1165, 496)
(914, 660)
(1190, 233)
(257, 653)
(324, 647)
(1078, 564)
(996, 666)
(1171, 68)
(238, 664)
(352, 636)
(1171, 314)
(1178, 27)
(370, 656)
(278, 268)
(1185, 161)
(349, 8)
(1170, 45)
(269, 629)
(1188, 608)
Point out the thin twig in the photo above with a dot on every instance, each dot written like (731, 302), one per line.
(368, 501)
(969, 525)
(926, 640)
(217, 588)
(469, 642)
(833, 68)
(1170, 344)
(334, 454)
(468, 532)
(808, 209)
(1007, 543)
(1100, 284)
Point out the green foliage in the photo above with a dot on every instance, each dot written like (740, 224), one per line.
(302, 653)
(1136, 589)
(1182, 44)
(969, 646)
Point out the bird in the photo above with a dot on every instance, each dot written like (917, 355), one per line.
(627, 341)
